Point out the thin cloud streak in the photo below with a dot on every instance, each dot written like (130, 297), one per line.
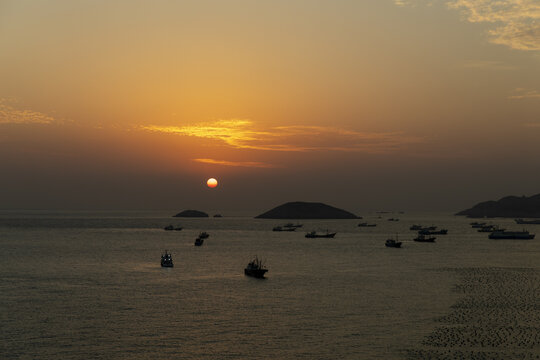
(10, 113)
(243, 134)
(250, 164)
(525, 94)
(488, 65)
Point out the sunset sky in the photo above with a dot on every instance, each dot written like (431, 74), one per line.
(364, 105)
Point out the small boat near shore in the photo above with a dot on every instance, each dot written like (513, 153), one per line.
(166, 260)
(255, 268)
(433, 232)
(521, 221)
(199, 241)
(281, 228)
(313, 234)
(424, 238)
(366, 225)
(477, 225)
(204, 235)
(292, 226)
(170, 228)
(514, 235)
(490, 229)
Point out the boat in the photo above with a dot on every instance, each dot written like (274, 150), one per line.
(490, 228)
(280, 228)
(393, 243)
(366, 225)
(313, 234)
(521, 235)
(477, 224)
(255, 268)
(433, 232)
(521, 221)
(416, 227)
(423, 238)
(218, 215)
(170, 227)
(166, 260)
(393, 219)
(204, 235)
(199, 241)
(291, 225)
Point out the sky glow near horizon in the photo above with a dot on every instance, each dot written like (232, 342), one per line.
(133, 105)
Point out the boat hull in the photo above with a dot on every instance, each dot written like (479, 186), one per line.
(256, 273)
(511, 236)
(395, 245)
(431, 239)
(311, 236)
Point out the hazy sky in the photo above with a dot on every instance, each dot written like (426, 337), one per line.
(365, 105)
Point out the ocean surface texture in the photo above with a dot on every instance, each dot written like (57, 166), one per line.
(90, 286)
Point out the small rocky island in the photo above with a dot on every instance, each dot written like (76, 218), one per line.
(306, 210)
(509, 206)
(191, 213)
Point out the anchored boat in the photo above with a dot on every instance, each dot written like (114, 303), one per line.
(166, 260)
(255, 268)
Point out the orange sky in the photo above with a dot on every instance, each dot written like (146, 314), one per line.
(403, 104)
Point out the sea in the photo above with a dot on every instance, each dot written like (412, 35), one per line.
(89, 285)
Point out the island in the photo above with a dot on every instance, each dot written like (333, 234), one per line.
(509, 206)
(191, 213)
(306, 210)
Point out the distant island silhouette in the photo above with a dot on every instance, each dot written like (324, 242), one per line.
(306, 210)
(509, 206)
(191, 213)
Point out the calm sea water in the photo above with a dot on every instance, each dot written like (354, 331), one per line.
(90, 286)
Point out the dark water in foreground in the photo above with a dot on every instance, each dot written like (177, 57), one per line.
(89, 286)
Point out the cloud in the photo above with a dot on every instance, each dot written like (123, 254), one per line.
(244, 134)
(521, 93)
(250, 164)
(12, 113)
(488, 65)
(514, 23)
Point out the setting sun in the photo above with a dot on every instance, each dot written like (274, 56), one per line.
(212, 183)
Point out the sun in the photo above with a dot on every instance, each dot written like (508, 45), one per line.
(212, 183)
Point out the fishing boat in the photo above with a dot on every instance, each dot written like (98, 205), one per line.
(423, 238)
(281, 228)
(199, 241)
(255, 268)
(520, 235)
(476, 224)
(366, 225)
(291, 225)
(166, 260)
(433, 232)
(204, 235)
(490, 229)
(393, 243)
(170, 228)
(313, 234)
